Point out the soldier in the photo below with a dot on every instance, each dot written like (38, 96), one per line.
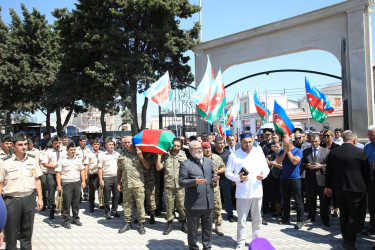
(92, 172)
(107, 173)
(69, 172)
(131, 173)
(174, 194)
(65, 141)
(31, 150)
(7, 146)
(19, 177)
(52, 157)
(219, 168)
(43, 178)
(149, 179)
(82, 152)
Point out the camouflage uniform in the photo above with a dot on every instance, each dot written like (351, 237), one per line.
(149, 175)
(217, 164)
(174, 194)
(132, 185)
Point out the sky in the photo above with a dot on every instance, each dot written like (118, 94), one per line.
(221, 18)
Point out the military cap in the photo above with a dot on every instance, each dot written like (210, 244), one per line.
(30, 141)
(65, 137)
(246, 135)
(206, 144)
(71, 144)
(297, 130)
(55, 138)
(268, 131)
(49, 144)
(96, 140)
(20, 136)
(83, 138)
(109, 139)
(7, 138)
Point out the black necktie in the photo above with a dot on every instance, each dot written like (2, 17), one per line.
(314, 154)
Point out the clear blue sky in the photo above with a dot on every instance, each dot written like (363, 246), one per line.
(220, 18)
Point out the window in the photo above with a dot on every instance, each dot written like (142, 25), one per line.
(245, 108)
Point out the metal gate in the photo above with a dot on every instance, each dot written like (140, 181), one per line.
(183, 118)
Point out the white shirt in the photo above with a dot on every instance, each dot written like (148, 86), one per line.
(255, 163)
(338, 141)
(108, 163)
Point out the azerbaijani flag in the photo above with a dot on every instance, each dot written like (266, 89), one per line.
(160, 92)
(261, 110)
(217, 100)
(319, 104)
(224, 129)
(281, 121)
(233, 110)
(202, 94)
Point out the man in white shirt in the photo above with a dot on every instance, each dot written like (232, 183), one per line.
(338, 139)
(249, 190)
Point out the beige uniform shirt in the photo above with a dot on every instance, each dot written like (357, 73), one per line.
(62, 147)
(18, 176)
(93, 158)
(52, 157)
(70, 169)
(83, 154)
(108, 163)
(42, 156)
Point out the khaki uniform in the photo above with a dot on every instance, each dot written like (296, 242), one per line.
(174, 194)
(108, 163)
(217, 164)
(133, 185)
(93, 184)
(70, 169)
(149, 175)
(18, 180)
(83, 154)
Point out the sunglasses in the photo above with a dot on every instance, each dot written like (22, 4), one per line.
(326, 135)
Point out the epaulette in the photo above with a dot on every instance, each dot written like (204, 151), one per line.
(6, 157)
(33, 156)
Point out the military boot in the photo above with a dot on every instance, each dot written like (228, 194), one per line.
(126, 227)
(184, 226)
(218, 230)
(152, 217)
(141, 229)
(168, 229)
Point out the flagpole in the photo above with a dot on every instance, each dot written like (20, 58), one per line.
(308, 117)
(174, 113)
(200, 20)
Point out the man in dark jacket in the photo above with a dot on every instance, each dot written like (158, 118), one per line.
(197, 175)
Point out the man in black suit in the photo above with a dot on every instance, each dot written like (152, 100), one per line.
(232, 144)
(314, 162)
(196, 175)
(348, 173)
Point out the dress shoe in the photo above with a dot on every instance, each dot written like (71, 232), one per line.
(326, 223)
(309, 220)
(115, 214)
(184, 226)
(91, 209)
(77, 222)
(107, 216)
(230, 218)
(152, 217)
(284, 222)
(52, 214)
(219, 230)
(168, 229)
(299, 225)
(126, 227)
(348, 246)
(141, 229)
(67, 225)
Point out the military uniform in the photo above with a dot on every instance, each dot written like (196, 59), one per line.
(174, 194)
(108, 164)
(52, 157)
(43, 177)
(70, 171)
(18, 180)
(83, 154)
(217, 164)
(93, 158)
(132, 185)
(149, 181)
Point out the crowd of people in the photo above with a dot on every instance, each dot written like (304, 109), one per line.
(196, 179)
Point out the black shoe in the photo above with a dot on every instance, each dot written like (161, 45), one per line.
(107, 216)
(126, 227)
(230, 218)
(52, 214)
(309, 220)
(91, 209)
(284, 222)
(115, 214)
(348, 247)
(326, 224)
(101, 207)
(141, 229)
(184, 226)
(371, 231)
(168, 229)
(299, 225)
(85, 198)
(135, 221)
(67, 225)
(157, 212)
(77, 222)
(152, 217)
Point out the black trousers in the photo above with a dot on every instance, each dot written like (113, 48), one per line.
(371, 204)
(349, 204)
(292, 187)
(313, 190)
(206, 217)
(51, 188)
(71, 196)
(110, 185)
(93, 186)
(43, 181)
(20, 221)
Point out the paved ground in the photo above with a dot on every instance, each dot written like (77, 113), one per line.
(99, 233)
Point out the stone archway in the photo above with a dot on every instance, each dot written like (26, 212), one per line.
(343, 29)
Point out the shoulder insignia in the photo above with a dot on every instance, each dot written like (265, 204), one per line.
(6, 157)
